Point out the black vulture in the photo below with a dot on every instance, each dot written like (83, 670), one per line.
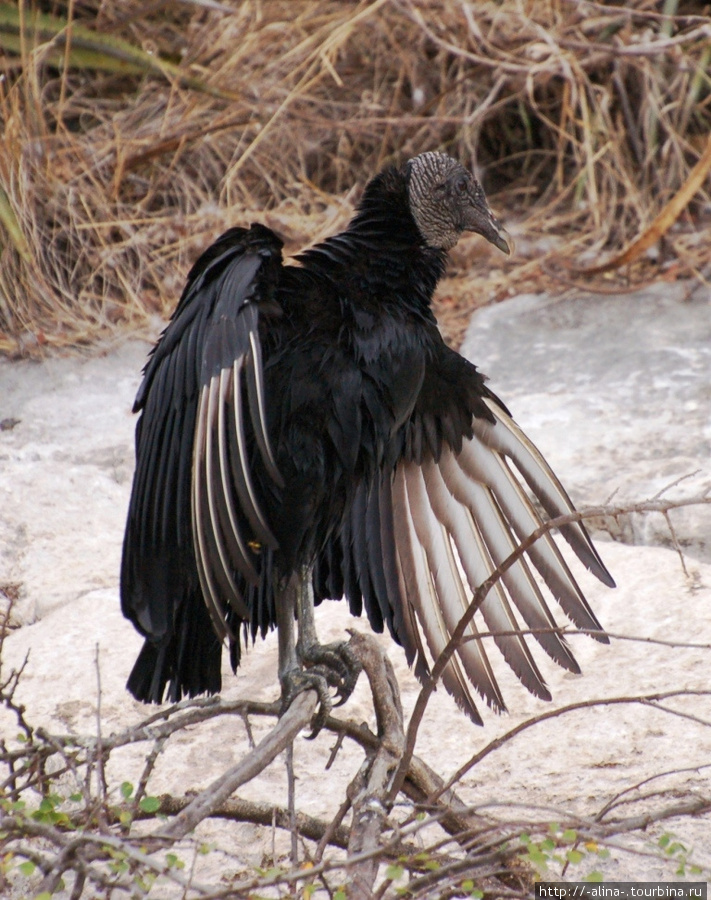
(306, 433)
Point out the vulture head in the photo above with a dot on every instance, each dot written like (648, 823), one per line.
(447, 200)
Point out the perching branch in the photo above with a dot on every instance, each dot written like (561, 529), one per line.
(369, 790)
(294, 720)
(474, 841)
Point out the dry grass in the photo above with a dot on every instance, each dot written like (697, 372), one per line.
(584, 118)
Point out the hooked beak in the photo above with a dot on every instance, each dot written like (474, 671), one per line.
(481, 220)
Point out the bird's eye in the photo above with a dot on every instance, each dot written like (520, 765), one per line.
(461, 185)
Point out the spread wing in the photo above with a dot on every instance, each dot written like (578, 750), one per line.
(193, 511)
(419, 542)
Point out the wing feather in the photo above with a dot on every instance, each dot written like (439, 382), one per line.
(448, 591)
(239, 458)
(202, 529)
(449, 519)
(228, 508)
(509, 439)
(362, 559)
(195, 530)
(519, 512)
(472, 538)
(405, 627)
(480, 496)
(257, 406)
(418, 577)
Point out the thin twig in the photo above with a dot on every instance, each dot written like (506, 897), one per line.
(645, 699)
(291, 803)
(660, 505)
(291, 723)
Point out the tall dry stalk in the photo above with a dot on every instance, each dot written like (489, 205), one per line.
(134, 133)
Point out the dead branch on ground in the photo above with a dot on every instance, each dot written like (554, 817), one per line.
(400, 819)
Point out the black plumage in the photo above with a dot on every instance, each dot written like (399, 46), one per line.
(304, 426)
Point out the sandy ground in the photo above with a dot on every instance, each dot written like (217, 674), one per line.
(65, 470)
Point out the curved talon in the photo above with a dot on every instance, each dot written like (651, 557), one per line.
(354, 667)
(337, 663)
(325, 658)
(296, 682)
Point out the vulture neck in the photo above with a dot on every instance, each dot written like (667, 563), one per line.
(383, 248)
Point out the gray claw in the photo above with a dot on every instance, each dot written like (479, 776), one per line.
(296, 682)
(336, 663)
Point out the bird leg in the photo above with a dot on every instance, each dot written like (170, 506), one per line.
(292, 677)
(335, 662)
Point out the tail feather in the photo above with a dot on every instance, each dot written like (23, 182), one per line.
(186, 663)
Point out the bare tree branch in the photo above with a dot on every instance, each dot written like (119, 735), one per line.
(369, 790)
(296, 718)
(95, 839)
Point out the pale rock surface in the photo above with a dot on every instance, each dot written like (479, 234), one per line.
(616, 390)
(608, 412)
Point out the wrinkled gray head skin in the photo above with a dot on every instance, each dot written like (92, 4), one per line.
(446, 200)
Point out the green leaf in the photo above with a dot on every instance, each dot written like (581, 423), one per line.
(145, 882)
(149, 804)
(569, 835)
(76, 798)
(59, 818)
(664, 840)
(27, 868)
(274, 872)
(126, 790)
(547, 844)
(595, 877)
(45, 895)
(574, 856)
(469, 887)
(394, 872)
(538, 858)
